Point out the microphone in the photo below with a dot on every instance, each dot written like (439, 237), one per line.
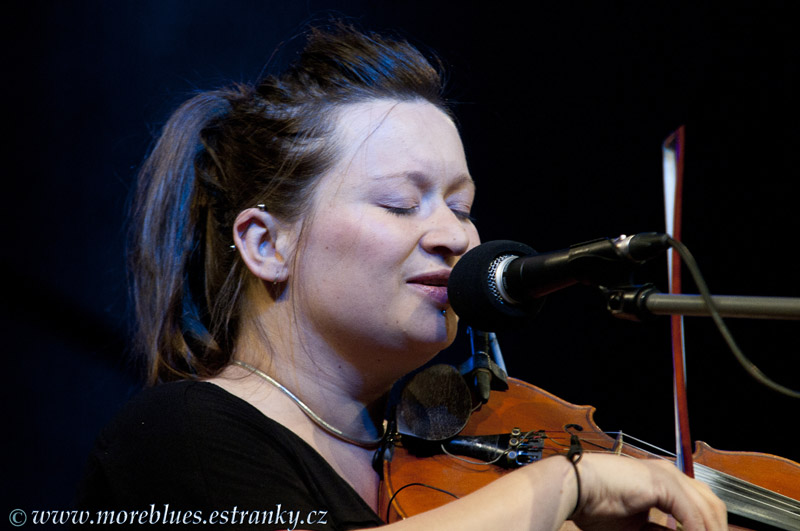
(500, 285)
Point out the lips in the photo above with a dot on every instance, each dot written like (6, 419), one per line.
(433, 285)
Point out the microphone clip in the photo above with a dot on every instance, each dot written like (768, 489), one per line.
(481, 371)
(629, 302)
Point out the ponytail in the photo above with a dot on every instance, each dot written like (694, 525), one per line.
(169, 216)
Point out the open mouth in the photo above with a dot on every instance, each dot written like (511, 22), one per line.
(434, 286)
(442, 282)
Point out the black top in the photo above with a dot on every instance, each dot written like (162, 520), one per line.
(191, 452)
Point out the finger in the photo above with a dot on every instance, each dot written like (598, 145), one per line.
(715, 513)
(693, 503)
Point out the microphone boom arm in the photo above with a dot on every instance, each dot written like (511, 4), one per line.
(640, 302)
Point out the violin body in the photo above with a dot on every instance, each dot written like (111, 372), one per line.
(412, 485)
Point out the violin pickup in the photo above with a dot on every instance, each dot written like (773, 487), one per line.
(509, 450)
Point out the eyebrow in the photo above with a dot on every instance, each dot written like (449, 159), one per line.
(421, 178)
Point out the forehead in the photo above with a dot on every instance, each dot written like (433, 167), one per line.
(386, 138)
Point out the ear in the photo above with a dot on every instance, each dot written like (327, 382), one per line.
(264, 243)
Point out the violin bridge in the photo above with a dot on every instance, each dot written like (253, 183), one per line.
(618, 444)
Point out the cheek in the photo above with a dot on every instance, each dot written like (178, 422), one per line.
(351, 244)
(348, 268)
(351, 237)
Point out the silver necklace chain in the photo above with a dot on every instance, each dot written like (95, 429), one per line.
(336, 432)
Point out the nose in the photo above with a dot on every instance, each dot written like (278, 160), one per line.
(447, 234)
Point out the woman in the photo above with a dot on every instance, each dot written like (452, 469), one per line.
(292, 248)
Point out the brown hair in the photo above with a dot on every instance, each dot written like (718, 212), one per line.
(227, 150)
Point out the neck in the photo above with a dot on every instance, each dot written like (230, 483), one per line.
(369, 422)
(337, 394)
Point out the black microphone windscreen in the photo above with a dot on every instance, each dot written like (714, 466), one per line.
(472, 289)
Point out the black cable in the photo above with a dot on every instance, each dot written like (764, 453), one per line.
(389, 505)
(748, 365)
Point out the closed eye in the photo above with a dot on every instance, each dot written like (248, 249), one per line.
(463, 215)
(401, 211)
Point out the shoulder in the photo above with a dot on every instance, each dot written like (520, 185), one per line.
(175, 405)
(180, 439)
(182, 397)
(177, 416)
(189, 420)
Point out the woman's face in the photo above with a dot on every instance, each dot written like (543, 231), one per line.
(387, 225)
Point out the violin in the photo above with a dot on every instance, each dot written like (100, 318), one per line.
(534, 424)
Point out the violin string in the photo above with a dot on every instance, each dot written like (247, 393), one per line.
(641, 443)
(752, 501)
(556, 441)
(600, 443)
(725, 481)
(735, 487)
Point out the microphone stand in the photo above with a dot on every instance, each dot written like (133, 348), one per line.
(638, 303)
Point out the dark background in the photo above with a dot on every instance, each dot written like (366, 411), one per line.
(563, 111)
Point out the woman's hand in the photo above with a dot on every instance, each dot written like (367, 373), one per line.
(617, 493)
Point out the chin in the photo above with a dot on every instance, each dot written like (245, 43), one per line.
(437, 339)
